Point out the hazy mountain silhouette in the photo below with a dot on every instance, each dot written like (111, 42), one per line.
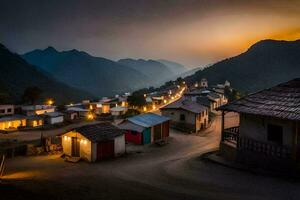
(99, 76)
(175, 67)
(16, 75)
(156, 71)
(264, 64)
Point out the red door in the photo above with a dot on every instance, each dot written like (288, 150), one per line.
(105, 150)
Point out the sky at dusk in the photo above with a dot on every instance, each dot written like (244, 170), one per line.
(192, 32)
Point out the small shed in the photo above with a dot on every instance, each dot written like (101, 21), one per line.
(94, 142)
(71, 115)
(146, 128)
(54, 118)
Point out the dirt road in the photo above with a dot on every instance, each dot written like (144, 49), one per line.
(174, 171)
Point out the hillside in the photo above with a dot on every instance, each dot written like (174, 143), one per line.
(17, 75)
(263, 65)
(175, 67)
(99, 76)
(156, 71)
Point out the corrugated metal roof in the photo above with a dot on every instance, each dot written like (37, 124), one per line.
(99, 132)
(148, 119)
(281, 101)
(127, 125)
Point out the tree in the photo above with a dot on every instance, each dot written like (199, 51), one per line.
(136, 100)
(31, 94)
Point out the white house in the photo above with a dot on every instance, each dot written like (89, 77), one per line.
(94, 142)
(117, 111)
(54, 117)
(6, 110)
(37, 109)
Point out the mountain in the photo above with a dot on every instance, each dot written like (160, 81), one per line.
(175, 67)
(99, 76)
(156, 71)
(17, 75)
(263, 65)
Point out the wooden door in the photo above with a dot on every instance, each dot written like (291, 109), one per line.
(157, 132)
(105, 149)
(75, 147)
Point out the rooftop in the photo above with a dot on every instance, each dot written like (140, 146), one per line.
(99, 132)
(127, 125)
(148, 119)
(281, 101)
(54, 114)
(186, 104)
(12, 117)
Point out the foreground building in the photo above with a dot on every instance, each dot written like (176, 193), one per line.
(187, 115)
(147, 128)
(94, 142)
(268, 133)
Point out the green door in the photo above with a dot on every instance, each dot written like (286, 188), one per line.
(147, 136)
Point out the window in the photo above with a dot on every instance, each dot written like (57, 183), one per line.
(9, 110)
(2, 111)
(172, 113)
(182, 117)
(275, 133)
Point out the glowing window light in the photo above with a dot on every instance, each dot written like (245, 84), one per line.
(65, 138)
(145, 108)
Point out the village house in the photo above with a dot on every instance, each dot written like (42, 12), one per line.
(186, 114)
(6, 110)
(34, 121)
(204, 83)
(94, 142)
(71, 115)
(268, 131)
(118, 111)
(12, 122)
(147, 128)
(53, 118)
(81, 112)
(37, 109)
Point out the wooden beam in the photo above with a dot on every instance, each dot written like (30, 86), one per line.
(295, 141)
(222, 125)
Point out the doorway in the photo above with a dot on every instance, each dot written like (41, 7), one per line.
(75, 147)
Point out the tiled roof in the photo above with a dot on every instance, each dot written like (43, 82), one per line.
(186, 104)
(148, 119)
(281, 101)
(99, 132)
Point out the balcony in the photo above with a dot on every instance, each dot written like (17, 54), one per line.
(231, 135)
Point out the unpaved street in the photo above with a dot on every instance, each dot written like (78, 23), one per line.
(174, 171)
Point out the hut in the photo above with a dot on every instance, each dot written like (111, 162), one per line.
(53, 118)
(146, 128)
(268, 130)
(186, 114)
(94, 142)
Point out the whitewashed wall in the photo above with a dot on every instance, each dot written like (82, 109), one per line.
(56, 120)
(85, 148)
(119, 143)
(255, 127)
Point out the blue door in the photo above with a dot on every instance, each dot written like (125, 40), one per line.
(147, 136)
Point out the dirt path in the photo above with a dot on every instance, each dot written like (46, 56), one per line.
(172, 172)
